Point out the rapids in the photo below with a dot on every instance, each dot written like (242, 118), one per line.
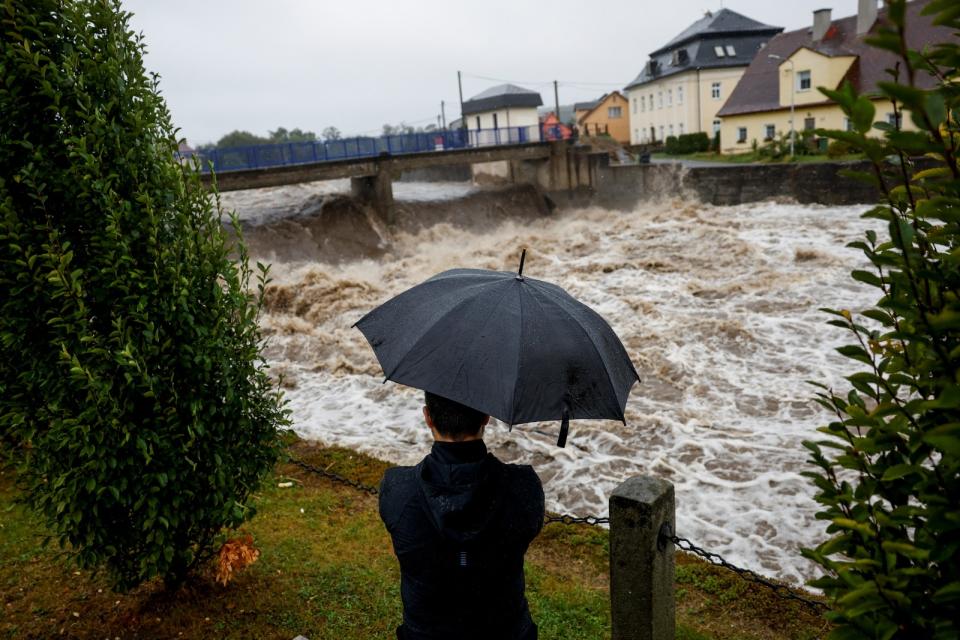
(717, 307)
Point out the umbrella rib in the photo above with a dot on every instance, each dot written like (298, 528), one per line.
(606, 370)
(516, 380)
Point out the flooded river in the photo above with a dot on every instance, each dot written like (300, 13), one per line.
(717, 307)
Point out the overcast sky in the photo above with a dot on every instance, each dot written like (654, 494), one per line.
(357, 64)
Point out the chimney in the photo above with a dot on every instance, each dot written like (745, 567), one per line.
(821, 22)
(866, 15)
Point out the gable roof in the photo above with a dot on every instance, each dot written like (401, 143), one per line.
(695, 46)
(759, 87)
(599, 103)
(500, 96)
(723, 22)
(589, 104)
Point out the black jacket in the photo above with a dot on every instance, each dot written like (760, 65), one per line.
(461, 521)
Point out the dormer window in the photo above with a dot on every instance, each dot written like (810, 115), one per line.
(719, 51)
(731, 51)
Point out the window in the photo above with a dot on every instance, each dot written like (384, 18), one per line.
(771, 132)
(731, 51)
(659, 99)
(614, 112)
(715, 90)
(848, 124)
(661, 132)
(803, 81)
(716, 126)
(671, 129)
(680, 128)
(636, 135)
(634, 105)
(809, 124)
(651, 101)
(680, 95)
(741, 134)
(669, 97)
(894, 119)
(719, 51)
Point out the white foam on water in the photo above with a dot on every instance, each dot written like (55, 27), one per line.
(717, 307)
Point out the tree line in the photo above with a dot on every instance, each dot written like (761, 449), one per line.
(240, 138)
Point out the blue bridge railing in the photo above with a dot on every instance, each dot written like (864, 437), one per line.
(290, 153)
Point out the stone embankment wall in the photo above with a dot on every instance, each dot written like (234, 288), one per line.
(622, 187)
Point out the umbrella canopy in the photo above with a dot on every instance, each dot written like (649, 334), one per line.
(519, 349)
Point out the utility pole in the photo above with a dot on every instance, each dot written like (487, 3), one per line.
(556, 100)
(443, 116)
(463, 119)
(793, 85)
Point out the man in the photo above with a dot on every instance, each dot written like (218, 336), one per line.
(461, 522)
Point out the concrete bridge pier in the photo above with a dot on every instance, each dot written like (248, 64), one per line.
(567, 168)
(376, 191)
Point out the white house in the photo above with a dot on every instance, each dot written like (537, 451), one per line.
(503, 114)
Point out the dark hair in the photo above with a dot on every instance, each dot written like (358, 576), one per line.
(453, 419)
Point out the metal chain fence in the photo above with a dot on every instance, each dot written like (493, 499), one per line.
(780, 590)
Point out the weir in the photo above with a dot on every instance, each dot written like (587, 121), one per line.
(551, 166)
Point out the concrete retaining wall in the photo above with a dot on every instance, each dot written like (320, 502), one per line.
(442, 173)
(622, 187)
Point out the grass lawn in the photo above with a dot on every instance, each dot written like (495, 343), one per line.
(327, 571)
(750, 156)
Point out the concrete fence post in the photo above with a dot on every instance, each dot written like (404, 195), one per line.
(641, 565)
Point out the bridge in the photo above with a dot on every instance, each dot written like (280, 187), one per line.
(553, 165)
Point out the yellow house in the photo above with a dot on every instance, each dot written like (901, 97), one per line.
(608, 115)
(794, 64)
(684, 82)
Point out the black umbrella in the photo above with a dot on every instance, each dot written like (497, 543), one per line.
(518, 349)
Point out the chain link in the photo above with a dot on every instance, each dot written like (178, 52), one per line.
(782, 591)
(568, 519)
(335, 477)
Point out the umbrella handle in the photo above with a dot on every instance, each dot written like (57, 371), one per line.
(564, 427)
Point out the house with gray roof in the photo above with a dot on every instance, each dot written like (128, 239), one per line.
(685, 82)
(504, 113)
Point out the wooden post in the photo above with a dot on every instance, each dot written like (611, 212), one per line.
(641, 563)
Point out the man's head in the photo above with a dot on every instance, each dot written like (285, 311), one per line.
(451, 420)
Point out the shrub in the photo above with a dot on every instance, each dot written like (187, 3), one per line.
(687, 143)
(671, 145)
(839, 148)
(888, 470)
(695, 142)
(132, 391)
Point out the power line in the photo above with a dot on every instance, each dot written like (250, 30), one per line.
(572, 83)
(491, 79)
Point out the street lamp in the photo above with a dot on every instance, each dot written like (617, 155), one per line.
(793, 82)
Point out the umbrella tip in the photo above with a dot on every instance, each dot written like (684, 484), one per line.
(523, 256)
